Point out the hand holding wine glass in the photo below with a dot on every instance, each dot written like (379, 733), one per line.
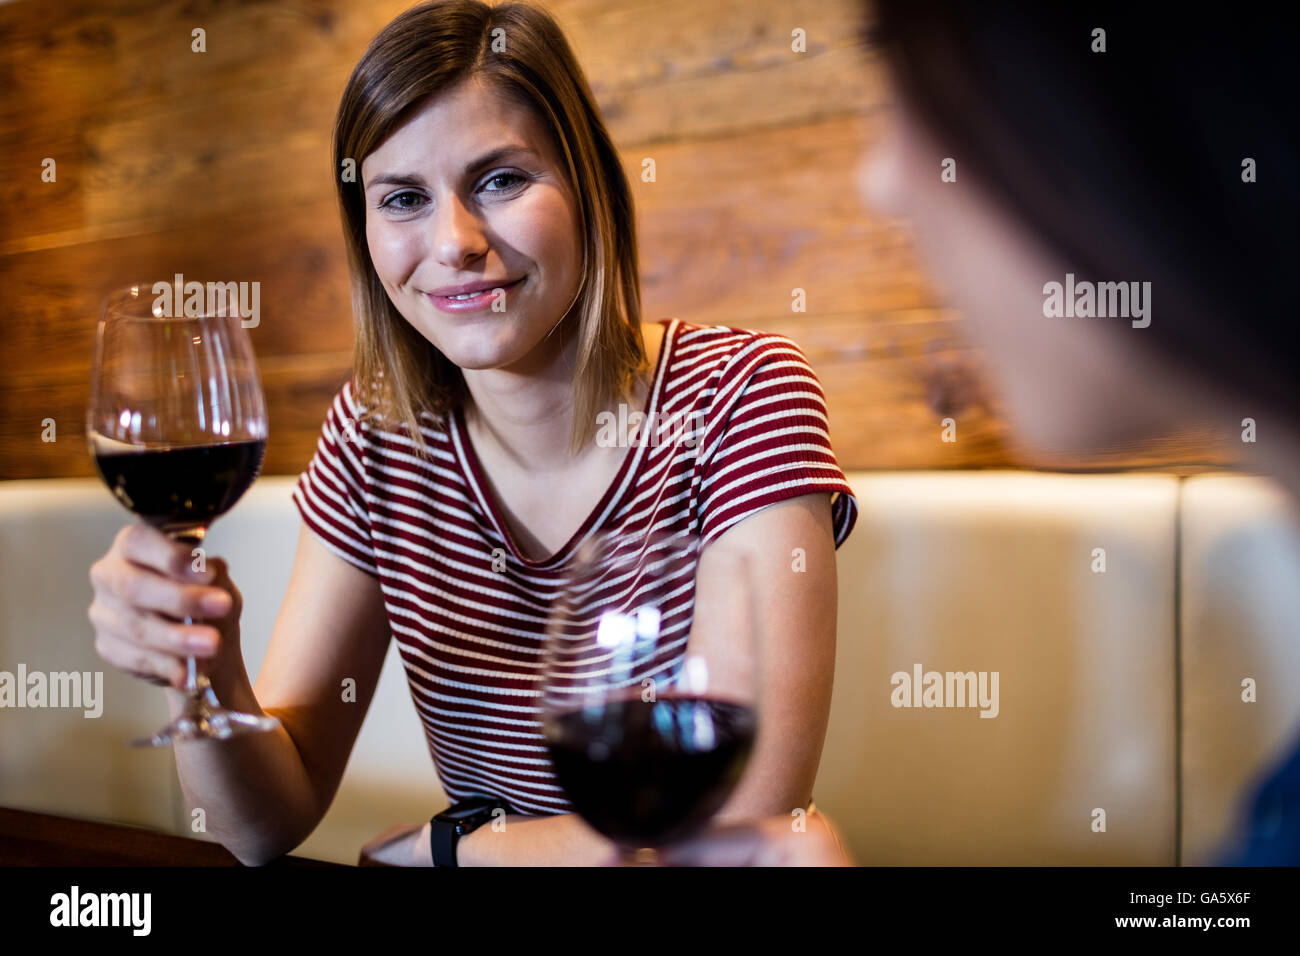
(177, 427)
(650, 712)
(144, 586)
(771, 841)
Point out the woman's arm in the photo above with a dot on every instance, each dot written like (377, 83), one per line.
(796, 597)
(557, 840)
(264, 793)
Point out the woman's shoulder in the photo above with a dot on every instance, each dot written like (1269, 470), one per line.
(725, 351)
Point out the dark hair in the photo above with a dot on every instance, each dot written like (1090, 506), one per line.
(1128, 163)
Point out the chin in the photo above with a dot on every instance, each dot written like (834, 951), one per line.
(485, 340)
(1070, 426)
(1064, 441)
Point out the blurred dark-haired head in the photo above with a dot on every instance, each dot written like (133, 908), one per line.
(1125, 144)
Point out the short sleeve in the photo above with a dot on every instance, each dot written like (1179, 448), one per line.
(766, 438)
(331, 493)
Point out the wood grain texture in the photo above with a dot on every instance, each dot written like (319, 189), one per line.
(216, 165)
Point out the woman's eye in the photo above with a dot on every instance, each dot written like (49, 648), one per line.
(393, 202)
(497, 183)
(509, 181)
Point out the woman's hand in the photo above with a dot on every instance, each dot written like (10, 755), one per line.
(771, 841)
(144, 588)
(400, 845)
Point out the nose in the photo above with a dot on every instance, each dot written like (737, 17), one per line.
(458, 237)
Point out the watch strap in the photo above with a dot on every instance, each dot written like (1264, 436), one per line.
(445, 834)
(443, 838)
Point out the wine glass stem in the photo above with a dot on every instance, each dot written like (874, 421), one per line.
(197, 685)
(196, 682)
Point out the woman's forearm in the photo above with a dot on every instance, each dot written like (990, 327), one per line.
(559, 840)
(256, 795)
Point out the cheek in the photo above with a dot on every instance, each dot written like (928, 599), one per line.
(1044, 368)
(390, 250)
(880, 171)
(541, 227)
(1069, 387)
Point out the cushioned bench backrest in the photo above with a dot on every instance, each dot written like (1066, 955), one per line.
(993, 571)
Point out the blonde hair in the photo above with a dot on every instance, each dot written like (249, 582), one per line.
(428, 49)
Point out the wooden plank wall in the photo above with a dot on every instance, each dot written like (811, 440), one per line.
(216, 165)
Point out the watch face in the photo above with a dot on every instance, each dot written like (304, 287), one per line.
(463, 812)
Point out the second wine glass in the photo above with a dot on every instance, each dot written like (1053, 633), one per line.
(650, 683)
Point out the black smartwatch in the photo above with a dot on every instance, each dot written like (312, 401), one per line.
(446, 828)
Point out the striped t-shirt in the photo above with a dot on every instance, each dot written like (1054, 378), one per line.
(735, 420)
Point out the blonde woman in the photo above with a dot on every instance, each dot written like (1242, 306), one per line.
(490, 236)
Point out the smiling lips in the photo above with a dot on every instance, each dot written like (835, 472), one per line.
(469, 297)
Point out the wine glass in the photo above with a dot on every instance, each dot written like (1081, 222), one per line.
(177, 427)
(649, 709)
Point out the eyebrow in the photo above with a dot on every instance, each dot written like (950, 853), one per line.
(487, 159)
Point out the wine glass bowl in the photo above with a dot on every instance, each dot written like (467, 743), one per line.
(177, 427)
(649, 713)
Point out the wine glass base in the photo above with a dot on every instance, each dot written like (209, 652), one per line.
(205, 719)
(639, 856)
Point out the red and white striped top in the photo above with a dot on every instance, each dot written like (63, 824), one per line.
(471, 634)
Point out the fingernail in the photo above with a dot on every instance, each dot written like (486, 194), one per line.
(216, 603)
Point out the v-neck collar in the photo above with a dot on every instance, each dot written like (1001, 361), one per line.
(476, 474)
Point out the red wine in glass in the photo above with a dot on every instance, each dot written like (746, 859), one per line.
(649, 708)
(179, 488)
(177, 428)
(645, 773)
